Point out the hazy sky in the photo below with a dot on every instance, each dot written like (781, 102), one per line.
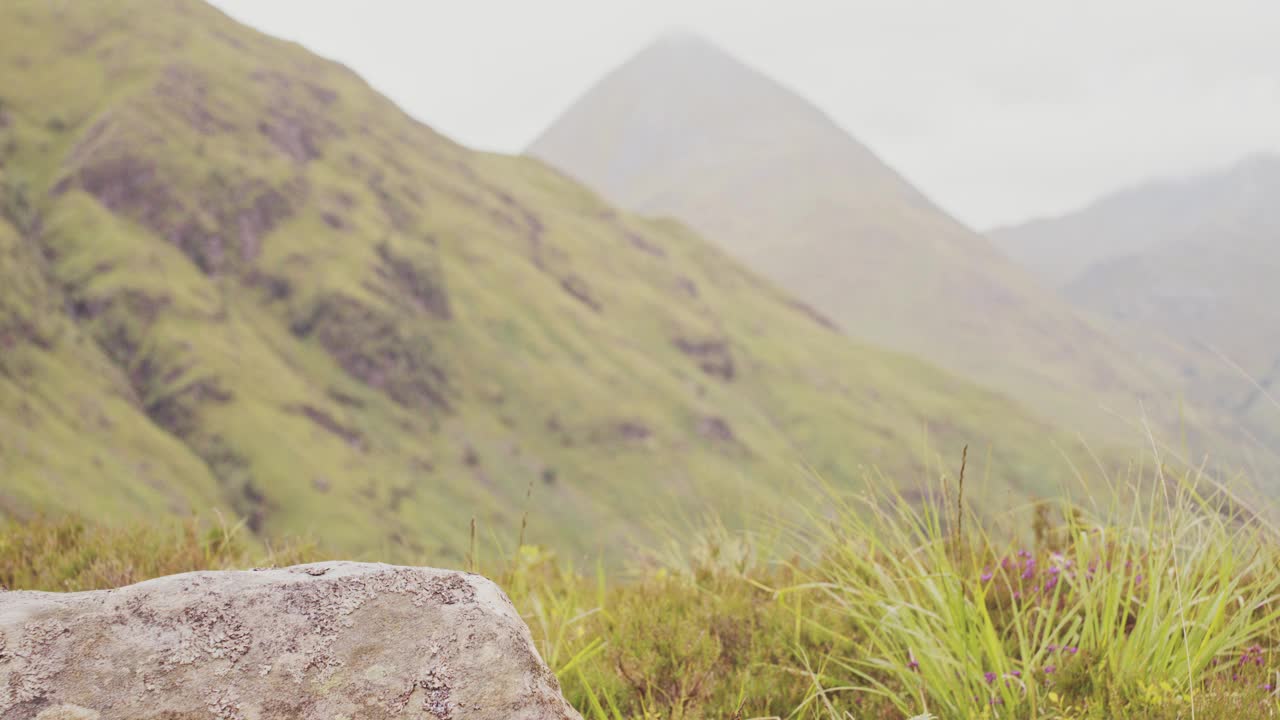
(998, 109)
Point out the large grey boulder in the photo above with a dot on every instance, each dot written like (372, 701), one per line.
(326, 640)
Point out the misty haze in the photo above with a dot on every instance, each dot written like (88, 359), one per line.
(639, 360)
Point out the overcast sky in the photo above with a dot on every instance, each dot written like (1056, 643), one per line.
(998, 109)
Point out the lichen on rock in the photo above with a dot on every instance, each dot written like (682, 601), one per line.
(313, 641)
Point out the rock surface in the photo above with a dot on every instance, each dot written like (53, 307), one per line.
(325, 640)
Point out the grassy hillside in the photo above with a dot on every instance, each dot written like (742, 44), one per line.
(232, 276)
(684, 130)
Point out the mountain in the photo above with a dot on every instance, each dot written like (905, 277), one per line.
(1194, 259)
(234, 277)
(1134, 220)
(684, 130)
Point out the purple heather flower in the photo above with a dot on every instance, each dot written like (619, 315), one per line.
(1052, 648)
(1050, 669)
(986, 575)
(990, 677)
(913, 665)
(1016, 673)
(1072, 649)
(1269, 687)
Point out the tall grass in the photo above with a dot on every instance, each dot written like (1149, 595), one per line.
(1162, 603)
(1163, 590)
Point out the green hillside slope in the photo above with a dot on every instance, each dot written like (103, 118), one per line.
(233, 276)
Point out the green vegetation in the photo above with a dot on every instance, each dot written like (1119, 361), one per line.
(234, 277)
(873, 609)
(235, 281)
(68, 554)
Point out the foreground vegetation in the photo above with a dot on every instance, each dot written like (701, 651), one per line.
(874, 608)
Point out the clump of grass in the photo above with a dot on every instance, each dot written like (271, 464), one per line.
(70, 554)
(1156, 596)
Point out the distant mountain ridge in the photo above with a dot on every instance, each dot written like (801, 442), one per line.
(1195, 259)
(683, 129)
(1133, 220)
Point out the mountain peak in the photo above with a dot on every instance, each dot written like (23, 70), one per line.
(680, 59)
(684, 129)
(684, 99)
(685, 44)
(679, 35)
